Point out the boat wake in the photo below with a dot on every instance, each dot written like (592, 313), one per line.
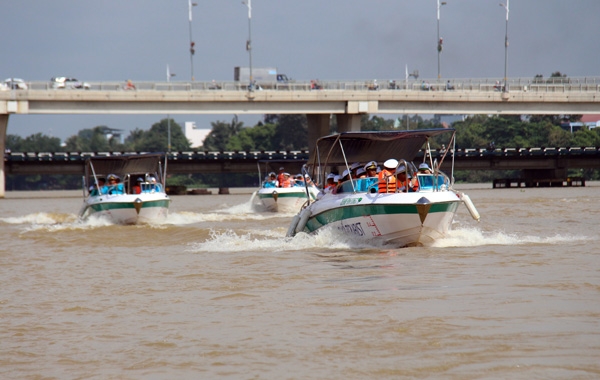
(473, 237)
(276, 241)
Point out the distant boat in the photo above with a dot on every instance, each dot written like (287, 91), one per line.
(273, 196)
(137, 194)
(409, 216)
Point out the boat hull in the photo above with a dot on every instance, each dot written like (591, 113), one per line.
(403, 219)
(282, 199)
(128, 208)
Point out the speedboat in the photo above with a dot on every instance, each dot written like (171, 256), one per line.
(411, 215)
(126, 189)
(283, 195)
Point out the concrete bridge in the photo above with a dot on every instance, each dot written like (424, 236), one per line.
(348, 100)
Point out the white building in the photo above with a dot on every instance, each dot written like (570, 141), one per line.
(194, 134)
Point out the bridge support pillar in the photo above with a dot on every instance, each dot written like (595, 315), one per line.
(318, 126)
(348, 122)
(3, 127)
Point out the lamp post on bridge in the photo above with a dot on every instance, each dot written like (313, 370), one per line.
(169, 75)
(192, 43)
(505, 44)
(439, 40)
(249, 42)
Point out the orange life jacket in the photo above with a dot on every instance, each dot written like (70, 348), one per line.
(387, 182)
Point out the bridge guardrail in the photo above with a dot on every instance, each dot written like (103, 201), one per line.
(575, 84)
(300, 154)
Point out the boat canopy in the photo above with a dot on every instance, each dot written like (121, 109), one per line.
(371, 146)
(124, 164)
(345, 148)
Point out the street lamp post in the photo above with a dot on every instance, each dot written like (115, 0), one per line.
(439, 40)
(192, 43)
(249, 42)
(505, 44)
(169, 75)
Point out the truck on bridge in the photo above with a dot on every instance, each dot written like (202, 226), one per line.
(264, 77)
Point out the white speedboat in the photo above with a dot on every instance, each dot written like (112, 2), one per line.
(284, 196)
(126, 189)
(405, 217)
(283, 199)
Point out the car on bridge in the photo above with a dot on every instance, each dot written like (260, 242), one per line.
(68, 83)
(13, 84)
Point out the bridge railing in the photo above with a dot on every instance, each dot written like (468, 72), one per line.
(559, 84)
(300, 154)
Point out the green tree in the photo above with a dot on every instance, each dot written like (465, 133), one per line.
(35, 143)
(156, 139)
(291, 132)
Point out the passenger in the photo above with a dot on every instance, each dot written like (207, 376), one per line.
(361, 173)
(94, 188)
(344, 178)
(353, 168)
(424, 168)
(155, 186)
(271, 180)
(308, 180)
(405, 182)
(299, 180)
(280, 176)
(329, 184)
(287, 180)
(114, 186)
(371, 169)
(136, 188)
(387, 180)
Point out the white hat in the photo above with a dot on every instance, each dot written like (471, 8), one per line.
(354, 165)
(371, 165)
(391, 163)
(424, 166)
(336, 178)
(345, 173)
(401, 169)
(331, 176)
(360, 171)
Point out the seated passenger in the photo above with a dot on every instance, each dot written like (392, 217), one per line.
(329, 184)
(287, 180)
(155, 186)
(136, 188)
(371, 169)
(271, 180)
(424, 168)
(387, 180)
(114, 186)
(405, 182)
(94, 189)
(299, 180)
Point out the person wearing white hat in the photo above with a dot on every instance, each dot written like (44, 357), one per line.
(371, 169)
(387, 179)
(329, 184)
(353, 169)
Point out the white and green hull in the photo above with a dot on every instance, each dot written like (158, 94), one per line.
(403, 219)
(282, 199)
(145, 208)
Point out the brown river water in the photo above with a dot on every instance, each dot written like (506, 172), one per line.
(218, 292)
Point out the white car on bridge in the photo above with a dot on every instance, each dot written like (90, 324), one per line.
(13, 84)
(68, 83)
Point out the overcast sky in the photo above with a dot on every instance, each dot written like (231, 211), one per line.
(115, 40)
